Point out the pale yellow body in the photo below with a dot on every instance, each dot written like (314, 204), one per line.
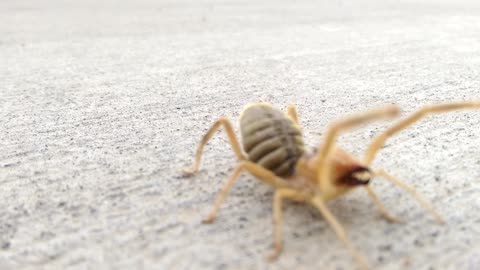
(340, 162)
(322, 175)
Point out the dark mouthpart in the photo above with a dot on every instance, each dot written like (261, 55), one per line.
(352, 178)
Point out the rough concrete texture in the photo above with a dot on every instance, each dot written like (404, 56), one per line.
(103, 103)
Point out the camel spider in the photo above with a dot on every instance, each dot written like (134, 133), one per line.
(274, 152)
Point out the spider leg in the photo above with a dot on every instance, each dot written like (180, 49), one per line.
(280, 195)
(339, 230)
(341, 126)
(381, 207)
(423, 202)
(379, 141)
(257, 171)
(292, 112)
(231, 136)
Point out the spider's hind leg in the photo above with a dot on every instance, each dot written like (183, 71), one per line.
(231, 136)
(292, 112)
(256, 170)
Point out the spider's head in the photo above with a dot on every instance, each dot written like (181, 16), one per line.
(359, 175)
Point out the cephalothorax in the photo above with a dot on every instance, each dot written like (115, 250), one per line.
(274, 152)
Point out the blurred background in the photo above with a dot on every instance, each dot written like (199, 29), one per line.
(103, 102)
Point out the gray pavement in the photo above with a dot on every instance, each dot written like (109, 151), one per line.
(102, 103)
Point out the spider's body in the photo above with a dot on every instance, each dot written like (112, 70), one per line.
(347, 173)
(274, 152)
(271, 139)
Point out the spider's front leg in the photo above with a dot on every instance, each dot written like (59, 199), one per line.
(339, 230)
(381, 208)
(423, 202)
(380, 140)
(335, 130)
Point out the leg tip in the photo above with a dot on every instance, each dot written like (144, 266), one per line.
(273, 256)
(440, 220)
(362, 263)
(188, 172)
(209, 220)
(394, 220)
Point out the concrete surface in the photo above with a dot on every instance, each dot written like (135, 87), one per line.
(102, 104)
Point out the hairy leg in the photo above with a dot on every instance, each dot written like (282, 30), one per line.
(380, 140)
(280, 195)
(256, 170)
(341, 126)
(292, 112)
(380, 206)
(341, 234)
(231, 136)
(424, 203)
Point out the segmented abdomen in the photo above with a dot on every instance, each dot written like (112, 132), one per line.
(271, 139)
